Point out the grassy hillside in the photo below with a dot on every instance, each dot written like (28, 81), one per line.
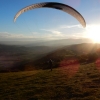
(12, 56)
(79, 53)
(20, 58)
(72, 82)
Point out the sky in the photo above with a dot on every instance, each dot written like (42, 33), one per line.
(48, 24)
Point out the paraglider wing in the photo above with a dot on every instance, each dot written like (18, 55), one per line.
(54, 5)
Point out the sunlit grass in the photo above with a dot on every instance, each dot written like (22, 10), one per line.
(55, 85)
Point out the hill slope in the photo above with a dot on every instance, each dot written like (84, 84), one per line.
(73, 83)
(13, 55)
(77, 53)
(30, 58)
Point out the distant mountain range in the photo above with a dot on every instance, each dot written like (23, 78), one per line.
(21, 58)
(62, 42)
(13, 55)
(76, 52)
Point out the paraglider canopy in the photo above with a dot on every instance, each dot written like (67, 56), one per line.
(54, 5)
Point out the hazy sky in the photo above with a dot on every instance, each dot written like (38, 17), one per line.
(47, 23)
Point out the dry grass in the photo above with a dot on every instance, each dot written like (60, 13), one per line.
(73, 82)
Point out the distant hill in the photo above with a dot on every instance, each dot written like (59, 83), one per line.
(85, 52)
(36, 57)
(84, 48)
(60, 42)
(13, 55)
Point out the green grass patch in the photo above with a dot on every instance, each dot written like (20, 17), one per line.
(60, 84)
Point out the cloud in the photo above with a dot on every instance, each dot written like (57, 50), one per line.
(52, 31)
(93, 26)
(9, 35)
(71, 26)
(4, 34)
(65, 31)
(47, 34)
